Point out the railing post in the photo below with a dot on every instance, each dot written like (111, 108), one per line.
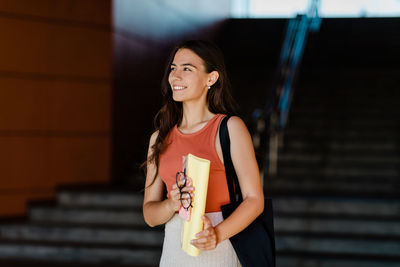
(273, 147)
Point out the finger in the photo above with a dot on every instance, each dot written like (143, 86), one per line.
(199, 241)
(202, 246)
(188, 188)
(207, 222)
(203, 233)
(204, 243)
(175, 195)
(186, 196)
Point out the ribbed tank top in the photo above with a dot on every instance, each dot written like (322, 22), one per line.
(200, 144)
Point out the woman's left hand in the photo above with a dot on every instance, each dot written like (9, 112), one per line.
(206, 239)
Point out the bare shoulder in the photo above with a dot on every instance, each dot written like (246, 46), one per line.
(236, 125)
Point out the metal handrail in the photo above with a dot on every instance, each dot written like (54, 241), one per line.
(275, 116)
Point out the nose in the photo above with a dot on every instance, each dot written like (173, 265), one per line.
(175, 75)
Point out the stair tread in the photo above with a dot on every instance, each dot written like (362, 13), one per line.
(82, 253)
(88, 226)
(318, 256)
(17, 262)
(77, 245)
(338, 244)
(377, 228)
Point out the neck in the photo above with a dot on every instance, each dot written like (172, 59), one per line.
(195, 113)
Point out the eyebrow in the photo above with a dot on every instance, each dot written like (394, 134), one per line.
(185, 64)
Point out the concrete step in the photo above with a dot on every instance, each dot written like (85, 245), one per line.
(323, 226)
(332, 187)
(302, 259)
(329, 93)
(351, 102)
(93, 215)
(344, 121)
(348, 136)
(308, 90)
(102, 199)
(350, 114)
(327, 108)
(79, 254)
(357, 207)
(82, 234)
(350, 110)
(47, 263)
(389, 173)
(339, 160)
(345, 125)
(331, 165)
(383, 147)
(338, 244)
(353, 74)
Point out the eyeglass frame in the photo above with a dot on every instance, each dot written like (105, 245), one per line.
(178, 174)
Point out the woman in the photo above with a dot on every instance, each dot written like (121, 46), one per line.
(196, 95)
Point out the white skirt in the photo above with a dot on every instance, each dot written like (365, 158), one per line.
(173, 256)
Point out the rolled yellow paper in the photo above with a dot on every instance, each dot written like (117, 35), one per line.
(197, 169)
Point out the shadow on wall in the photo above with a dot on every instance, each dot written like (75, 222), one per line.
(144, 33)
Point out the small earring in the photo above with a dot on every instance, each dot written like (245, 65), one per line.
(209, 87)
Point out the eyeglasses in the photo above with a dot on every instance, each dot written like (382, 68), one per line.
(181, 181)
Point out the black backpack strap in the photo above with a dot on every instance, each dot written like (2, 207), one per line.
(235, 193)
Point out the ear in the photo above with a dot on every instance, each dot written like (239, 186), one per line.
(212, 78)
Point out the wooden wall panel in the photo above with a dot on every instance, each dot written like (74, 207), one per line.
(55, 97)
(54, 105)
(77, 160)
(46, 48)
(44, 161)
(90, 11)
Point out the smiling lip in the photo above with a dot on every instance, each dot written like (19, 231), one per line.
(178, 88)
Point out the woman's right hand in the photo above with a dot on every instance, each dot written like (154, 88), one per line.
(175, 195)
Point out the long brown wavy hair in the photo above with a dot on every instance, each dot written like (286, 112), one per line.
(219, 98)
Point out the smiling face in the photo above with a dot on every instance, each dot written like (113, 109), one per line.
(188, 77)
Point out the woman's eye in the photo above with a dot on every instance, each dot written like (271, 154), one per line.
(186, 69)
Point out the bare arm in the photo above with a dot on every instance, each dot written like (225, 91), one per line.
(157, 211)
(244, 161)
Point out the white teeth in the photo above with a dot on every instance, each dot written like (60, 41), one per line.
(179, 87)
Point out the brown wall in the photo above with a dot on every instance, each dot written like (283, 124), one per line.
(55, 97)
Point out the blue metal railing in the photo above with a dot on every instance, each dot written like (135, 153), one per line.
(291, 55)
(277, 108)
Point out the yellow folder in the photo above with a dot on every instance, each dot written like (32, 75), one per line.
(197, 169)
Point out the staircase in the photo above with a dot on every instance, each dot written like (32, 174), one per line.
(337, 192)
(84, 227)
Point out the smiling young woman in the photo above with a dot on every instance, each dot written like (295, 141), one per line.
(196, 95)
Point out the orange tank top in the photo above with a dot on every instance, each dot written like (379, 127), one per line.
(200, 144)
